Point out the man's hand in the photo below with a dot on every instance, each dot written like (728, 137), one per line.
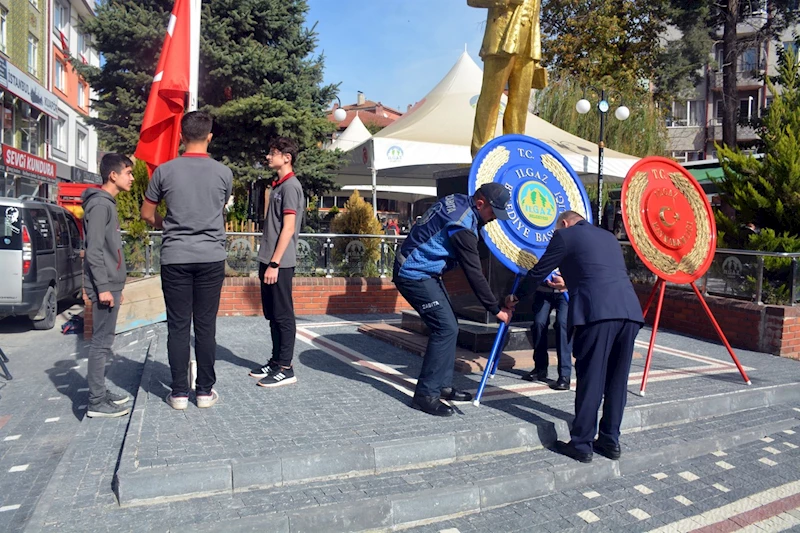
(106, 298)
(271, 276)
(505, 315)
(121, 298)
(557, 283)
(511, 301)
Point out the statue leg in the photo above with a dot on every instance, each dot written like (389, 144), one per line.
(519, 95)
(496, 71)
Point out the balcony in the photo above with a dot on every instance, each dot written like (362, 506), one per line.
(743, 133)
(746, 78)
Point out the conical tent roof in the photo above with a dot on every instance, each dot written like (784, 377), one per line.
(355, 134)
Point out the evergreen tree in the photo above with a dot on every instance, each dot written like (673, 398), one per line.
(258, 79)
(766, 191)
(704, 22)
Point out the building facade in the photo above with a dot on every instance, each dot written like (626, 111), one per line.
(694, 124)
(44, 135)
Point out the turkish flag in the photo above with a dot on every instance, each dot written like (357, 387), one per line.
(161, 127)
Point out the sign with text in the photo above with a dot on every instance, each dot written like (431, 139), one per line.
(541, 184)
(28, 164)
(27, 88)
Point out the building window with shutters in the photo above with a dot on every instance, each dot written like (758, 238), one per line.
(33, 56)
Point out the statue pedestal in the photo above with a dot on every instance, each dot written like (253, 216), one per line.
(501, 279)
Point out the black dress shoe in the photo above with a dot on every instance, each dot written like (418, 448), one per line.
(535, 375)
(561, 384)
(431, 405)
(455, 395)
(607, 449)
(568, 449)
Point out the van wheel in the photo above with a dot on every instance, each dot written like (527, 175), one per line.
(50, 305)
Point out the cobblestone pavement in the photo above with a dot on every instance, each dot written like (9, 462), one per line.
(755, 487)
(68, 467)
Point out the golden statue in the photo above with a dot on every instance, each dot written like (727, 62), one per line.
(512, 53)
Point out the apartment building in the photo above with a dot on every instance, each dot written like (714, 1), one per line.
(44, 136)
(694, 124)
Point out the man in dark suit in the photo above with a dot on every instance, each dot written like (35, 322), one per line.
(604, 317)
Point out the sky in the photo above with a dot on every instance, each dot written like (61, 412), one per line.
(394, 51)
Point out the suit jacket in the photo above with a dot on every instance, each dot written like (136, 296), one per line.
(511, 28)
(594, 270)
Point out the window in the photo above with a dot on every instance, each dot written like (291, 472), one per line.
(3, 30)
(718, 115)
(686, 114)
(33, 55)
(748, 108)
(685, 157)
(61, 20)
(83, 46)
(8, 119)
(748, 60)
(59, 139)
(61, 76)
(82, 145)
(81, 95)
(41, 235)
(61, 230)
(74, 234)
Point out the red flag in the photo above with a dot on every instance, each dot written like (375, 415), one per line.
(161, 127)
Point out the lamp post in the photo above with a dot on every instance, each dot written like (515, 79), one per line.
(340, 114)
(622, 113)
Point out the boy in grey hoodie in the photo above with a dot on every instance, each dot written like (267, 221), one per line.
(104, 269)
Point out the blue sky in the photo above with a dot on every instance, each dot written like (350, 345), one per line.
(394, 51)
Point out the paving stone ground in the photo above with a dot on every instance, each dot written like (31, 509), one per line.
(335, 403)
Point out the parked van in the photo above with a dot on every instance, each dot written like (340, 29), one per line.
(40, 259)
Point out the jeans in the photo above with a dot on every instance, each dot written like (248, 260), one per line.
(104, 322)
(543, 303)
(429, 298)
(192, 291)
(278, 307)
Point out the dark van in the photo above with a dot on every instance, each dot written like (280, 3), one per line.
(40, 259)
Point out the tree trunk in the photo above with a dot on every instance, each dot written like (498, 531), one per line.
(730, 92)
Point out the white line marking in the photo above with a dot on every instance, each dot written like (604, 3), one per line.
(660, 475)
(643, 489)
(638, 513)
(20, 468)
(683, 499)
(732, 509)
(719, 453)
(768, 439)
(721, 488)
(768, 462)
(5, 508)
(788, 431)
(790, 445)
(591, 494)
(12, 437)
(133, 342)
(688, 476)
(589, 517)
(54, 398)
(773, 451)
(726, 466)
(54, 419)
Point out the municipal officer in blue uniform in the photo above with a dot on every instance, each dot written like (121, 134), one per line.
(446, 234)
(606, 316)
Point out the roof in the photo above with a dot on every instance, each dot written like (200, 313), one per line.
(367, 117)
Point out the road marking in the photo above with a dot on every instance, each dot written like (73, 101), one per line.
(19, 468)
(660, 475)
(788, 431)
(591, 494)
(54, 419)
(12, 437)
(790, 445)
(643, 489)
(721, 488)
(768, 462)
(726, 466)
(719, 453)
(768, 439)
(773, 451)
(638, 513)
(589, 517)
(741, 513)
(5, 508)
(683, 499)
(688, 476)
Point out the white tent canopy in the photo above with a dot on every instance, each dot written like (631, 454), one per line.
(354, 134)
(436, 135)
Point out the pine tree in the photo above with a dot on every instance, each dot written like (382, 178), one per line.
(766, 192)
(258, 79)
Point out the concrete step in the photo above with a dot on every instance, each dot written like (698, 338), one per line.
(478, 337)
(435, 491)
(142, 486)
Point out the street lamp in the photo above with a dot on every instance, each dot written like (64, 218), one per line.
(340, 114)
(622, 113)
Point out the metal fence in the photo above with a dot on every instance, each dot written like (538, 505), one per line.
(762, 277)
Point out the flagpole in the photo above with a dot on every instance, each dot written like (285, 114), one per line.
(194, 52)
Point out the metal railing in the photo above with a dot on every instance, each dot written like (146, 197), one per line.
(318, 254)
(761, 277)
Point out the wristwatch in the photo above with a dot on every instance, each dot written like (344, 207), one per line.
(273, 264)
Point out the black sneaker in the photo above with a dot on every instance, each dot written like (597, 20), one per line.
(106, 409)
(117, 399)
(277, 377)
(263, 371)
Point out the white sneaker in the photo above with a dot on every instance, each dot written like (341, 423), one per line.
(178, 402)
(207, 400)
